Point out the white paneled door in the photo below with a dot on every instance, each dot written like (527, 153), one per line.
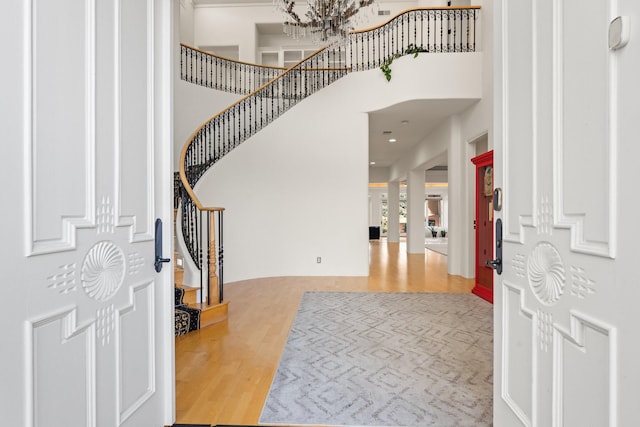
(86, 154)
(567, 345)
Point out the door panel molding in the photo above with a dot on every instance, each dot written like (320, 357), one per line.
(135, 73)
(52, 340)
(139, 317)
(518, 324)
(517, 125)
(578, 172)
(586, 337)
(49, 26)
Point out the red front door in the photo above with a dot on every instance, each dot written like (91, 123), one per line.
(484, 225)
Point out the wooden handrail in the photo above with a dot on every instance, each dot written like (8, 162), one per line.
(415, 9)
(273, 67)
(185, 147)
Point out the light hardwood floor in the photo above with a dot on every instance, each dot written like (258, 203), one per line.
(224, 371)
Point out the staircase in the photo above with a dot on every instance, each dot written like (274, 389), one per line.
(190, 313)
(421, 30)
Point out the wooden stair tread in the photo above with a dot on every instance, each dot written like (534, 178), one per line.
(186, 288)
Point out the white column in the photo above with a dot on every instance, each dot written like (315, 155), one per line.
(415, 211)
(459, 261)
(393, 212)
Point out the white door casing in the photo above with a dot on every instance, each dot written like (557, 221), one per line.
(566, 328)
(86, 113)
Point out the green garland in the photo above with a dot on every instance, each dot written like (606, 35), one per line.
(412, 49)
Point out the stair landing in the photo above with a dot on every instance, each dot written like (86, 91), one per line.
(211, 314)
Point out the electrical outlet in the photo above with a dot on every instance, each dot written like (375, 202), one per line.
(319, 260)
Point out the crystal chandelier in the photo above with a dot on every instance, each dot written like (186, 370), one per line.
(325, 21)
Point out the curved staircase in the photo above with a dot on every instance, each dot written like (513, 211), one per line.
(420, 30)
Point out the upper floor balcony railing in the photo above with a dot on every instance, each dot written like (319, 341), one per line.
(218, 72)
(428, 30)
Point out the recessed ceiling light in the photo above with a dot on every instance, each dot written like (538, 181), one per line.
(405, 122)
(372, 163)
(393, 140)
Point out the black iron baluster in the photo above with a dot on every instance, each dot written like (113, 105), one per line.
(415, 30)
(369, 53)
(402, 46)
(374, 54)
(219, 148)
(236, 129)
(457, 21)
(191, 67)
(200, 254)
(200, 152)
(272, 102)
(207, 61)
(429, 14)
(220, 81)
(393, 37)
(441, 49)
(261, 112)
(200, 60)
(220, 256)
(449, 31)
(305, 76)
(228, 126)
(214, 72)
(207, 144)
(361, 50)
(182, 74)
(244, 120)
(351, 41)
(384, 44)
(296, 76)
(239, 135)
(474, 30)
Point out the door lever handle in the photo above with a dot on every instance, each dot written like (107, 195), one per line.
(159, 259)
(494, 263)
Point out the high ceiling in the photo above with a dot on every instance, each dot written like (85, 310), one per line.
(421, 117)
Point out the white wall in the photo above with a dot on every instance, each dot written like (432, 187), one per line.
(186, 22)
(474, 122)
(226, 25)
(282, 207)
(378, 174)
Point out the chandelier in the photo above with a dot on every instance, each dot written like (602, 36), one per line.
(325, 21)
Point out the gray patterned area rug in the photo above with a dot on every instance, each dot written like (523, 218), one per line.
(385, 359)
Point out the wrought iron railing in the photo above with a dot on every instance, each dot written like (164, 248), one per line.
(449, 29)
(218, 72)
(429, 30)
(202, 232)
